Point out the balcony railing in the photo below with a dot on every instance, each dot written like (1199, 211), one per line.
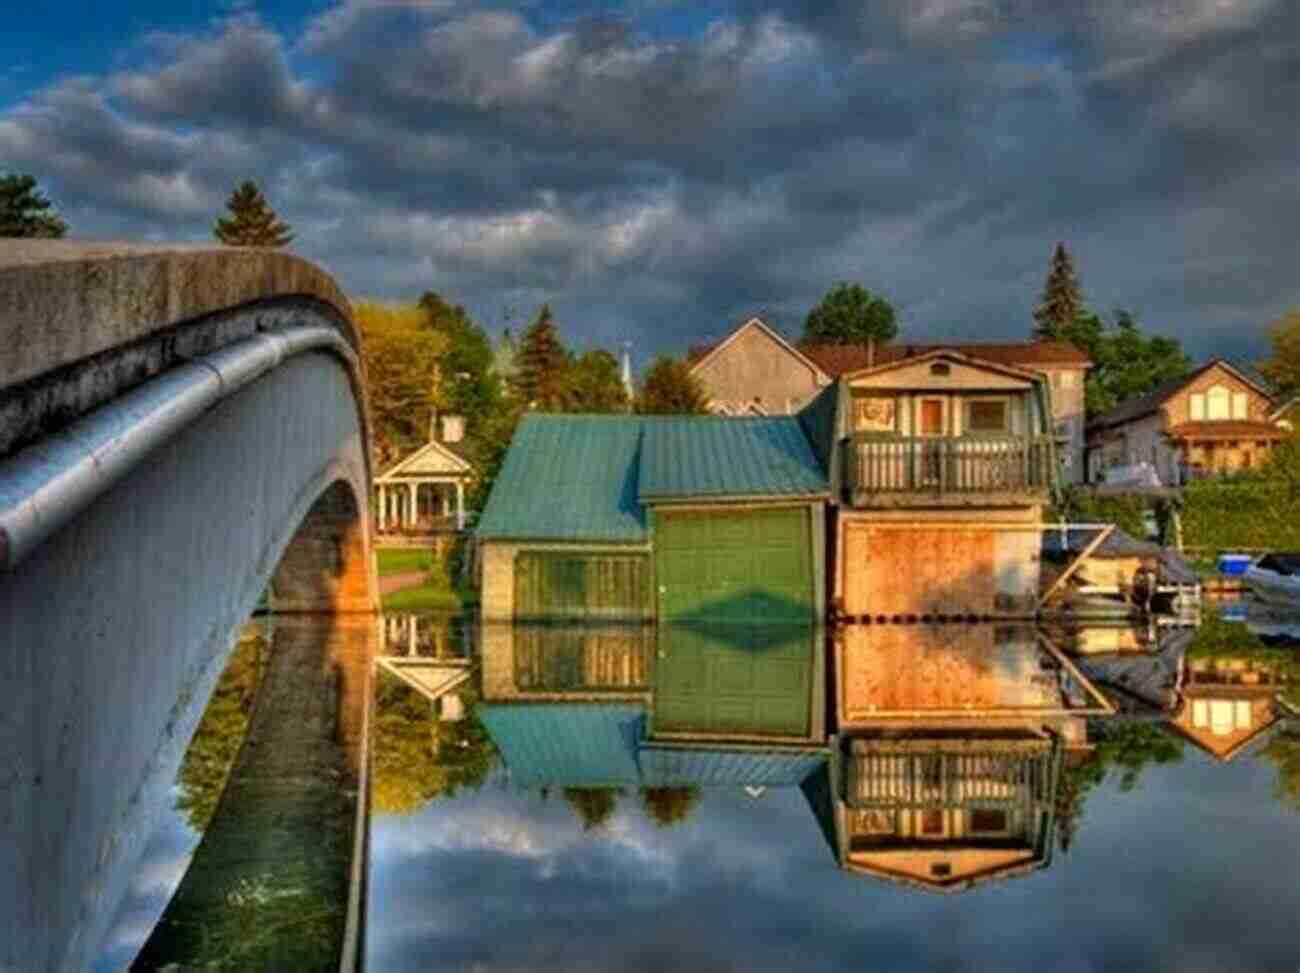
(943, 465)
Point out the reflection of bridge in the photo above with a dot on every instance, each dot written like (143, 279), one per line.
(179, 428)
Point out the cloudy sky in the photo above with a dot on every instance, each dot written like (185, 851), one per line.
(658, 170)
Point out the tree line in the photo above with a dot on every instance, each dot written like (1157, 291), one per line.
(1127, 360)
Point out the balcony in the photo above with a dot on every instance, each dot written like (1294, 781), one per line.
(902, 471)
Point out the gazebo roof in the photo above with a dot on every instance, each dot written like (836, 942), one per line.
(431, 459)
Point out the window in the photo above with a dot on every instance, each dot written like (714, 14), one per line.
(984, 821)
(941, 870)
(940, 369)
(874, 413)
(1198, 406)
(1240, 406)
(987, 416)
(932, 821)
(1218, 403)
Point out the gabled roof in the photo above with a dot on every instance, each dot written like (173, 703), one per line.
(569, 477)
(836, 359)
(716, 456)
(1144, 405)
(951, 354)
(1285, 407)
(701, 355)
(432, 458)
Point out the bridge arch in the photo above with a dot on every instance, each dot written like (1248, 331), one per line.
(194, 433)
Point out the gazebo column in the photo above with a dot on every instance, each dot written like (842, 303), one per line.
(460, 505)
(410, 513)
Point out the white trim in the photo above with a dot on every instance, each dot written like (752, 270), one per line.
(821, 376)
(960, 358)
(462, 466)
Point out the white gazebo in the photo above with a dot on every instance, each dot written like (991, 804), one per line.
(427, 488)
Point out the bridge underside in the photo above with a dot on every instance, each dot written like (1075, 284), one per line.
(117, 627)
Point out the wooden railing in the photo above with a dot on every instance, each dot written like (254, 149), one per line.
(983, 464)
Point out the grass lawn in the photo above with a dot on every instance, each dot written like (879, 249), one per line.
(399, 560)
(423, 598)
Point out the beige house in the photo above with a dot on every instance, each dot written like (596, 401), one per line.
(1226, 703)
(940, 464)
(1215, 420)
(755, 371)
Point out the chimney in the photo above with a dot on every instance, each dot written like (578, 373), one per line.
(453, 429)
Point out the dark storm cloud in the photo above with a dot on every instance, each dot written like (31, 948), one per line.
(659, 184)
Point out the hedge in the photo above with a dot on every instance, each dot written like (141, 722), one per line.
(1247, 511)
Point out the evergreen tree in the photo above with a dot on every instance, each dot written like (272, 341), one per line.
(593, 805)
(541, 365)
(24, 210)
(252, 222)
(671, 389)
(595, 385)
(667, 806)
(850, 314)
(1062, 300)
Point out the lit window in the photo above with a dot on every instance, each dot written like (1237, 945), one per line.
(986, 416)
(1240, 406)
(1218, 403)
(1198, 406)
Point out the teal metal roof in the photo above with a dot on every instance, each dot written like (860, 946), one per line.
(567, 744)
(569, 478)
(681, 767)
(715, 457)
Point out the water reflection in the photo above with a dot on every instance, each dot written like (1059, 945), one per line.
(641, 777)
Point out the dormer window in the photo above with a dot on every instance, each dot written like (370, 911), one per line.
(941, 369)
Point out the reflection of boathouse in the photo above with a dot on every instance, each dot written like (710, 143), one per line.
(951, 741)
(941, 813)
(621, 706)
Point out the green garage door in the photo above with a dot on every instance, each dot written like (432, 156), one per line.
(735, 680)
(735, 566)
(582, 587)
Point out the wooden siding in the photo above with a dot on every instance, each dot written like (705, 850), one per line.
(918, 571)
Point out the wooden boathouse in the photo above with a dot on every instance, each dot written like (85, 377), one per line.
(940, 465)
(604, 518)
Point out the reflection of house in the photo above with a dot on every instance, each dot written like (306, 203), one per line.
(726, 516)
(1227, 702)
(1217, 419)
(938, 813)
(755, 370)
(615, 706)
(951, 741)
(940, 464)
(426, 490)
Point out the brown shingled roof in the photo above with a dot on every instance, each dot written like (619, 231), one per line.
(837, 359)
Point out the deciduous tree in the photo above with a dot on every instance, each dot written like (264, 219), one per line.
(1062, 301)
(667, 806)
(593, 805)
(25, 211)
(467, 384)
(595, 384)
(671, 389)
(252, 222)
(401, 355)
(1283, 366)
(1126, 362)
(850, 314)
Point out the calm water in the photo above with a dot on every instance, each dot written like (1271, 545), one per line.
(625, 799)
(534, 824)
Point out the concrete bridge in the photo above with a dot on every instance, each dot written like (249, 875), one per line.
(180, 427)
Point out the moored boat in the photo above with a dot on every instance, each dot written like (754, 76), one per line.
(1275, 578)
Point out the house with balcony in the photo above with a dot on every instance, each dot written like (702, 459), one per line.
(1218, 419)
(754, 370)
(940, 464)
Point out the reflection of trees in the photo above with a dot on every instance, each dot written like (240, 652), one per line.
(594, 805)
(216, 742)
(1283, 752)
(669, 805)
(417, 758)
(1125, 747)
